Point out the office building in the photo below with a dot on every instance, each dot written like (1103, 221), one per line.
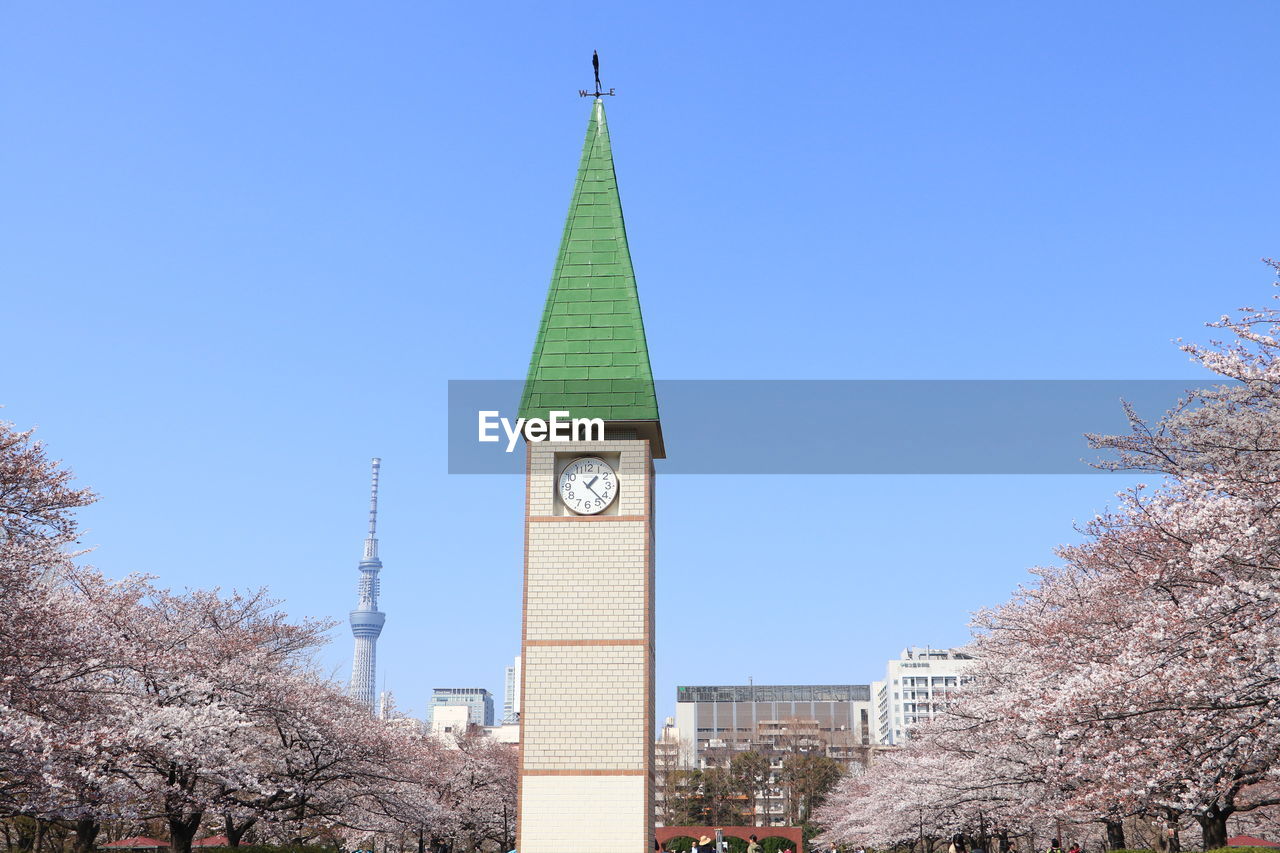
(741, 717)
(776, 721)
(915, 687)
(511, 697)
(477, 701)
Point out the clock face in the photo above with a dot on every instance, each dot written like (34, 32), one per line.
(588, 485)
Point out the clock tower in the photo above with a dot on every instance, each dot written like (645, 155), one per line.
(587, 706)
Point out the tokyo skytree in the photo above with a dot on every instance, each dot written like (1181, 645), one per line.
(367, 619)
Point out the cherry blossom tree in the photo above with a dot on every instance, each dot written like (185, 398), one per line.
(36, 495)
(198, 669)
(123, 702)
(50, 654)
(1142, 675)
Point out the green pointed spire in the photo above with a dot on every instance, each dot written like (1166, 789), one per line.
(590, 357)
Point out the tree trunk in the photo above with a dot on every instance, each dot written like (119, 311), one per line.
(86, 833)
(26, 828)
(1175, 841)
(182, 830)
(234, 831)
(1115, 834)
(1213, 827)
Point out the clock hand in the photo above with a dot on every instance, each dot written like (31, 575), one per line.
(589, 489)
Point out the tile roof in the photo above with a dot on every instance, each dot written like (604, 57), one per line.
(137, 842)
(590, 356)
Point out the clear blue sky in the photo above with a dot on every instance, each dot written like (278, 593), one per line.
(245, 246)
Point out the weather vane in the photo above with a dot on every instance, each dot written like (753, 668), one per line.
(595, 64)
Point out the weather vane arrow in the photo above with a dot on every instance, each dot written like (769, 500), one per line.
(595, 65)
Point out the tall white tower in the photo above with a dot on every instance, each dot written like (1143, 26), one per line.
(367, 619)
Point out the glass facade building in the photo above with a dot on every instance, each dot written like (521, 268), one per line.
(479, 703)
(735, 717)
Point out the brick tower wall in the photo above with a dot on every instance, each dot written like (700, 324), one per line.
(587, 705)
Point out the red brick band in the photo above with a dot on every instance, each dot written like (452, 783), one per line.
(581, 519)
(583, 773)
(639, 642)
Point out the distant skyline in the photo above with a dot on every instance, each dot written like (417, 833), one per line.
(246, 247)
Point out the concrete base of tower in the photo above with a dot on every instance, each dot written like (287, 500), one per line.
(602, 814)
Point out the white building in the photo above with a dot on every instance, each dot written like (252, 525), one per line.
(511, 697)
(508, 733)
(671, 754)
(915, 687)
(673, 751)
(450, 720)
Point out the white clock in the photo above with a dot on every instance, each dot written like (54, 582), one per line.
(588, 485)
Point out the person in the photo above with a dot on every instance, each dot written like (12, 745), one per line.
(1055, 847)
(958, 845)
(706, 845)
(1075, 847)
(753, 845)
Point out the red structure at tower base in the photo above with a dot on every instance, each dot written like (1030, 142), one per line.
(663, 834)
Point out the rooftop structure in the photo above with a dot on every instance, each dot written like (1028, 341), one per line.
(776, 693)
